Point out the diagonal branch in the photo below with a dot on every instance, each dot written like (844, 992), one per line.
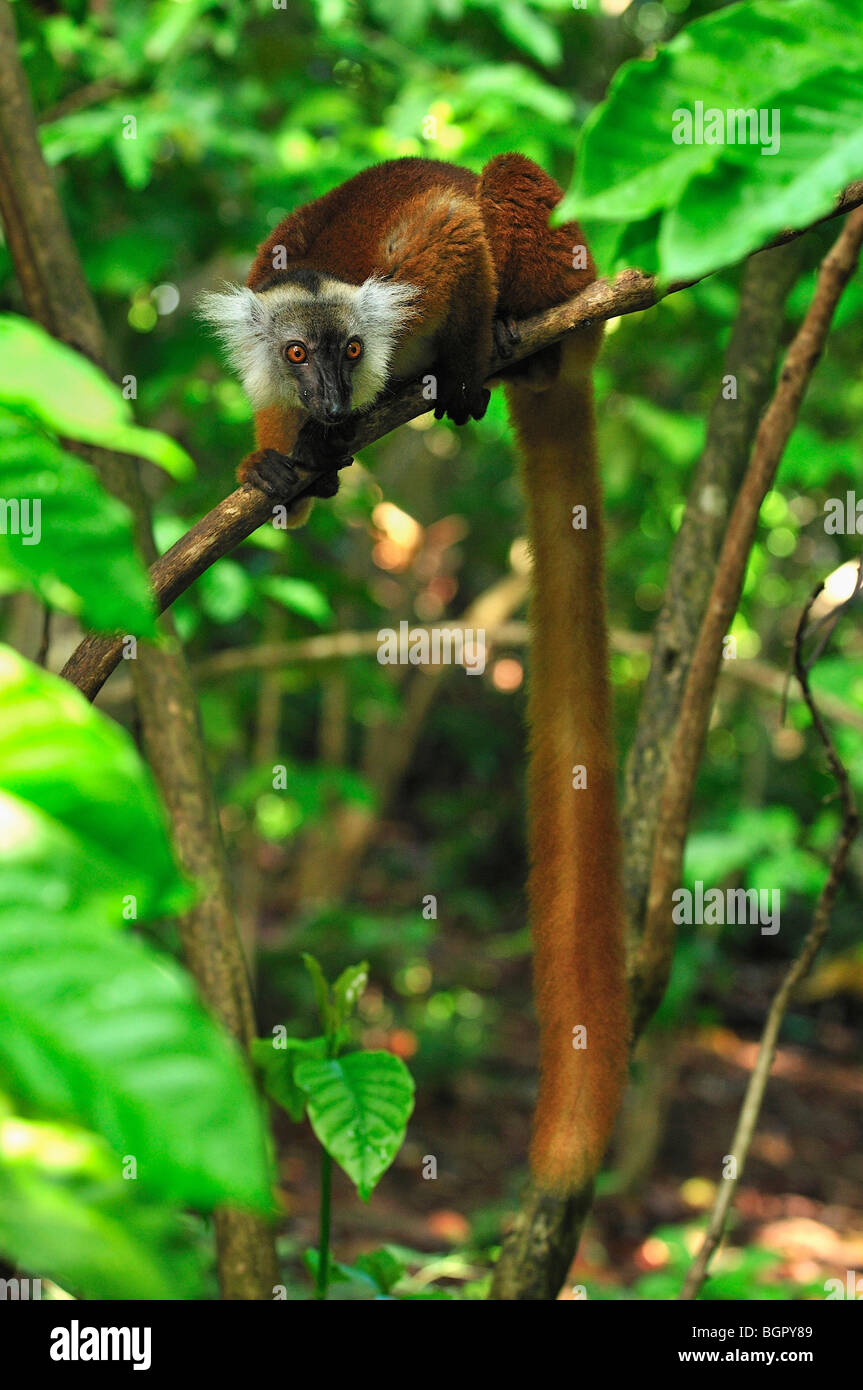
(235, 518)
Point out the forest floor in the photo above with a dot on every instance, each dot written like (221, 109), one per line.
(801, 1196)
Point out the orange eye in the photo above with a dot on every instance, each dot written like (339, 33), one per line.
(354, 349)
(296, 353)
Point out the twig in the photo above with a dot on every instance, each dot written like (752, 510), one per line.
(754, 1096)
(653, 961)
(238, 515)
(750, 360)
(45, 640)
(343, 646)
(91, 94)
(388, 752)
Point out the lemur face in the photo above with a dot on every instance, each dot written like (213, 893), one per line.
(311, 340)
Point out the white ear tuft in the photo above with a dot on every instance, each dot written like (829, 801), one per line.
(241, 319)
(387, 304)
(381, 311)
(235, 312)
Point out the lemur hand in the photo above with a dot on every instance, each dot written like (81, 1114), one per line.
(276, 474)
(461, 400)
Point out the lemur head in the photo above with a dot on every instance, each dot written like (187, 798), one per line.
(312, 340)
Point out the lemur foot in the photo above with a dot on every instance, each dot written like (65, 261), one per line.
(506, 334)
(461, 401)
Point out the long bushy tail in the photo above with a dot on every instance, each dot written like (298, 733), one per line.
(574, 887)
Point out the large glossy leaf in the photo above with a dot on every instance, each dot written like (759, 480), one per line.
(716, 202)
(731, 210)
(83, 775)
(45, 867)
(100, 1028)
(66, 538)
(359, 1107)
(67, 1214)
(72, 397)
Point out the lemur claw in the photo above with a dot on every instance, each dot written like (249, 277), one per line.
(506, 334)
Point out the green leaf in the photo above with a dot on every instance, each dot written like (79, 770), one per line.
(102, 1029)
(67, 1214)
(299, 596)
(65, 537)
(359, 1107)
(383, 1266)
(66, 760)
(717, 202)
(99, 1027)
(75, 781)
(530, 32)
(348, 989)
(135, 153)
(322, 993)
(277, 1059)
(738, 206)
(64, 391)
(676, 436)
(340, 1273)
(226, 591)
(81, 133)
(511, 85)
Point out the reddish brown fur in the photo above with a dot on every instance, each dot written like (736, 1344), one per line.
(574, 892)
(574, 887)
(478, 247)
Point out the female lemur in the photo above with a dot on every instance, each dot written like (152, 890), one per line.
(416, 267)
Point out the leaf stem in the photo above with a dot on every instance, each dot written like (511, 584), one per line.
(323, 1274)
